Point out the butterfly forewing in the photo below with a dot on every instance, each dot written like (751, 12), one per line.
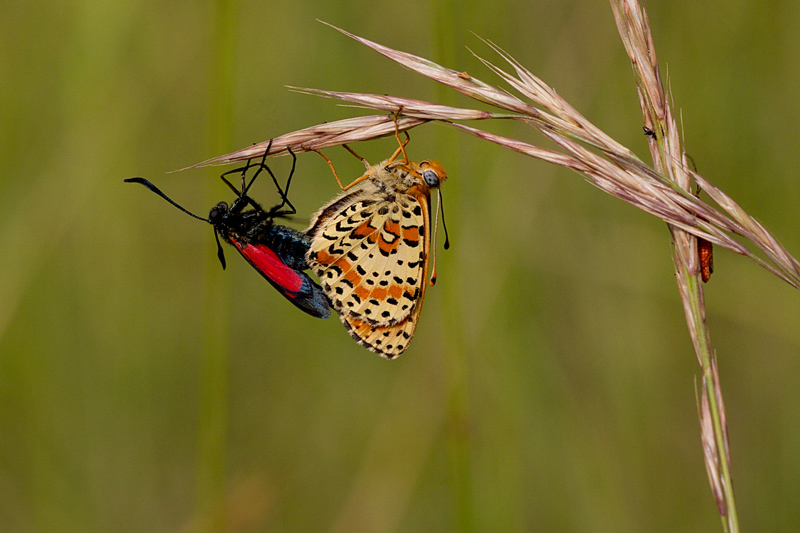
(391, 260)
(370, 259)
(370, 249)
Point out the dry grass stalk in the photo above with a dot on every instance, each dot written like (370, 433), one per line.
(670, 159)
(318, 137)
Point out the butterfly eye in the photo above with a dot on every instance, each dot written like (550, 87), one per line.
(431, 178)
(218, 212)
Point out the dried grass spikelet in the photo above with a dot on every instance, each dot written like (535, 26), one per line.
(601, 160)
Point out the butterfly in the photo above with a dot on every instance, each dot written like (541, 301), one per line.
(370, 247)
(276, 252)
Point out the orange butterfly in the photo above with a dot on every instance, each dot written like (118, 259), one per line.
(370, 250)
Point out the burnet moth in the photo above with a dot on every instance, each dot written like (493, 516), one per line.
(276, 252)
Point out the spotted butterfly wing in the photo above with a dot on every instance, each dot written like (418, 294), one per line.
(370, 250)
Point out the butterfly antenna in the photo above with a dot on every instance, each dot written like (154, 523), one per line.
(439, 207)
(444, 224)
(156, 190)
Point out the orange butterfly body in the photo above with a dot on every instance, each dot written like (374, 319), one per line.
(370, 248)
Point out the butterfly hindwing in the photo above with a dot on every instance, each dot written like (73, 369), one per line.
(389, 341)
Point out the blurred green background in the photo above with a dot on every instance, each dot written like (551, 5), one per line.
(551, 385)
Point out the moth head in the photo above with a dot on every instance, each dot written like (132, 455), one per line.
(218, 213)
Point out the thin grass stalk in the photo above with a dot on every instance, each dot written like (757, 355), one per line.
(214, 372)
(669, 159)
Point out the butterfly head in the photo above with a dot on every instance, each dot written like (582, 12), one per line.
(432, 173)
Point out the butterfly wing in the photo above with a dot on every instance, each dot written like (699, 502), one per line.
(387, 341)
(370, 251)
(391, 339)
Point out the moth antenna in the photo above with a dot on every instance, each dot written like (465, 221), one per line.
(156, 190)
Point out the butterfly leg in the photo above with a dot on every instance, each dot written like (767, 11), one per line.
(330, 164)
(335, 175)
(397, 136)
(366, 163)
